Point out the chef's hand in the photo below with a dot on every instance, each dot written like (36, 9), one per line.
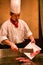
(33, 41)
(22, 59)
(14, 47)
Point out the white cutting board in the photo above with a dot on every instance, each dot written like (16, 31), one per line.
(35, 48)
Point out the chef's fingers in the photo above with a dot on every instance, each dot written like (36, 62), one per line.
(33, 41)
(14, 47)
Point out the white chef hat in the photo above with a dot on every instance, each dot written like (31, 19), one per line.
(15, 6)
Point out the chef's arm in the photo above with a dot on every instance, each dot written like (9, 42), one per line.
(11, 44)
(32, 38)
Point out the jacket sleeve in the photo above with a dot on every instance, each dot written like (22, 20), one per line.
(3, 33)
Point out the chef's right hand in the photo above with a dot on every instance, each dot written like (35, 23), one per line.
(14, 47)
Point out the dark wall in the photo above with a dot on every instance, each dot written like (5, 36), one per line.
(41, 15)
(41, 24)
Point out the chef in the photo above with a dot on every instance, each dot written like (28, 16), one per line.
(14, 31)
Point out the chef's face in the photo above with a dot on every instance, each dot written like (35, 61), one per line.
(15, 17)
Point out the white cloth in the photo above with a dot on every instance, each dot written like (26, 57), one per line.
(16, 35)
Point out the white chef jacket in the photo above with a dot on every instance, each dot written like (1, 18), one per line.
(15, 35)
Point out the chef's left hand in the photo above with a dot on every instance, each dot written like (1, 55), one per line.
(33, 41)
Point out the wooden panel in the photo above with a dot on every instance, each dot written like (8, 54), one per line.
(29, 13)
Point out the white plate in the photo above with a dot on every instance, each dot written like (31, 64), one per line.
(36, 50)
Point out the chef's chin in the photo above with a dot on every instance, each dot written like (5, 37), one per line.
(16, 20)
